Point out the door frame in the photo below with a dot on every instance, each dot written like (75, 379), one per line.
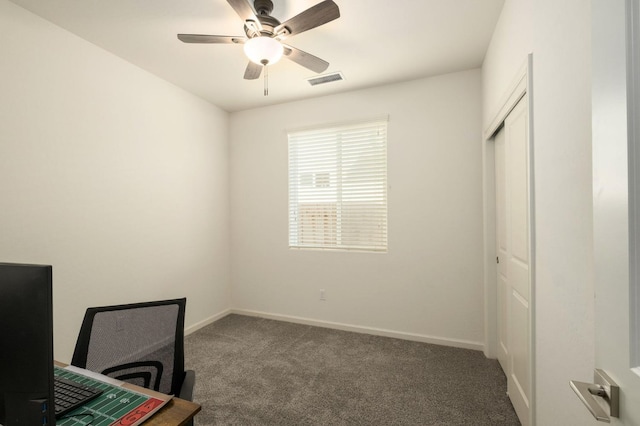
(632, 11)
(615, 96)
(522, 84)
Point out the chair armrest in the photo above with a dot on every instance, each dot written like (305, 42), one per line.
(186, 391)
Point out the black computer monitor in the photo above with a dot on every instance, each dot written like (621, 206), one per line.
(26, 333)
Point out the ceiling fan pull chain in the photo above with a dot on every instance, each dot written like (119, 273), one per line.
(266, 80)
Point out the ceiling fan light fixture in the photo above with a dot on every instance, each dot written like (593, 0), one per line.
(263, 50)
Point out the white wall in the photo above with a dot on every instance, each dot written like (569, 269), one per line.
(115, 177)
(558, 34)
(511, 42)
(429, 284)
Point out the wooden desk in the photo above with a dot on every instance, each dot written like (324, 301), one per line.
(176, 412)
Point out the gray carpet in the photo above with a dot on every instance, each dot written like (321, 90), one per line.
(253, 371)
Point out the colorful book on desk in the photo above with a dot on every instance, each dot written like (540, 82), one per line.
(119, 404)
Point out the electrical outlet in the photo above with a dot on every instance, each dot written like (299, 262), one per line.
(322, 295)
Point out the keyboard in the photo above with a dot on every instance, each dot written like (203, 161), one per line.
(70, 395)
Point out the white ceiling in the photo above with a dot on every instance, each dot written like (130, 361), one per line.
(373, 42)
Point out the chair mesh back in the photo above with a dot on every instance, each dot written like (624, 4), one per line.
(140, 344)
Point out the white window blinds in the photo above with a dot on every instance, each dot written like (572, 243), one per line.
(338, 187)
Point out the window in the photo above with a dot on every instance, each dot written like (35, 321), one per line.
(338, 187)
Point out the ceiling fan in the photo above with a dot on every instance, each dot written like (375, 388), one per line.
(263, 43)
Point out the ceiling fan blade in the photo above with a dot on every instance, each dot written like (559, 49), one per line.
(305, 59)
(313, 17)
(253, 71)
(245, 11)
(204, 38)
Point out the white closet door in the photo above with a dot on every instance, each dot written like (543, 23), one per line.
(501, 250)
(512, 224)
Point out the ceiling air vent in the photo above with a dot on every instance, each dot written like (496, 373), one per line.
(327, 78)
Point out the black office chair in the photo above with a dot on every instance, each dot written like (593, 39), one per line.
(139, 343)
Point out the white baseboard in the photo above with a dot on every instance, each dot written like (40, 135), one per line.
(197, 326)
(465, 344)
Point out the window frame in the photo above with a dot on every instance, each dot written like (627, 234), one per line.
(360, 222)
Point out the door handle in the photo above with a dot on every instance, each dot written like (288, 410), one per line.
(602, 397)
